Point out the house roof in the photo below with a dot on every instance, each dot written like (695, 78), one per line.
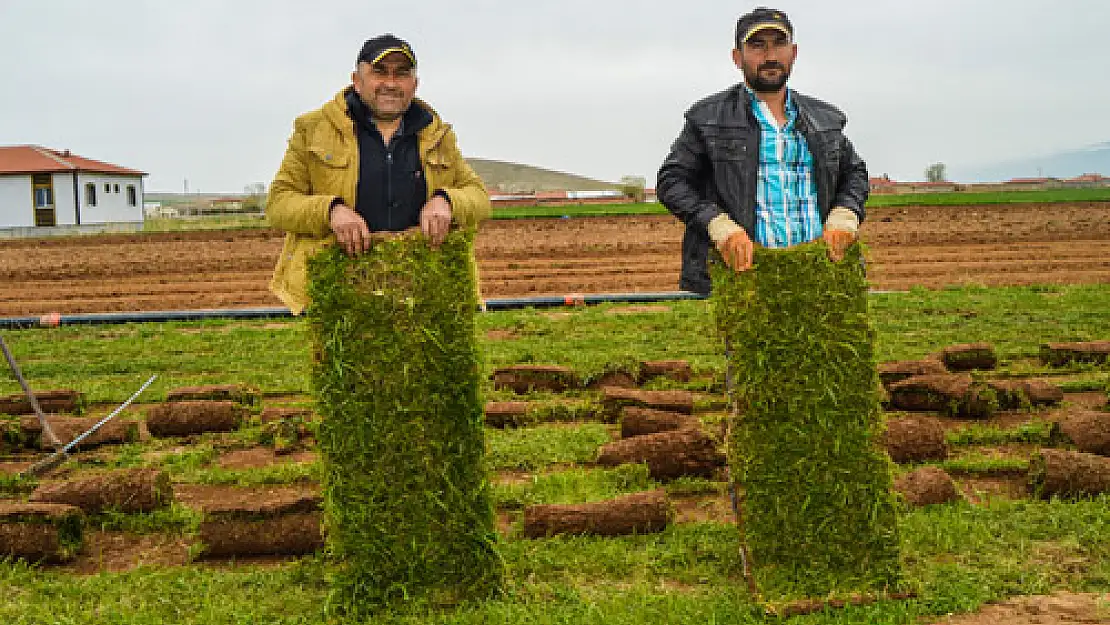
(34, 159)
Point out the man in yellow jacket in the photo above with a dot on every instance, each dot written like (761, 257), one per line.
(373, 159)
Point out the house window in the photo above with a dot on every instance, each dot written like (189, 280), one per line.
(116, 189)
(43, 187)
(90, 194)
(107, 188)
(132, 197)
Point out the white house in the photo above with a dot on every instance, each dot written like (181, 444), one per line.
(40, 187)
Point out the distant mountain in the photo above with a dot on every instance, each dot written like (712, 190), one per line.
(517, 178)
(1090, 160)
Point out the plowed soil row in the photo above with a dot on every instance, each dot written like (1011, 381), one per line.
(932, 247)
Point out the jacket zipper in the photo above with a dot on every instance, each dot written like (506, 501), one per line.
(389, 185)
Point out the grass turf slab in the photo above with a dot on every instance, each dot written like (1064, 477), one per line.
(813, 483)
(408, 509)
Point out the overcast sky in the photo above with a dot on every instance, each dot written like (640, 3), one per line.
(207, 90)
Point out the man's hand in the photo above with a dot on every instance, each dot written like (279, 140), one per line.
(350, 229)
(435, 219)
(838, 242)
(738, 251)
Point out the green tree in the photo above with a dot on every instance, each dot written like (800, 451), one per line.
(937, 172)
(633, 187)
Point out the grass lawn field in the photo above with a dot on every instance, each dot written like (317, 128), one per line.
(957, 556)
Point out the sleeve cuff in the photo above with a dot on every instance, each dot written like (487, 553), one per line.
(841, 218)
(721, 228)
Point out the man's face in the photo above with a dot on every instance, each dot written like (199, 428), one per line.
(387, 87)
(766, 59)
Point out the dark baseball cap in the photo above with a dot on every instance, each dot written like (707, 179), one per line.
(759, 19)
(375, 49)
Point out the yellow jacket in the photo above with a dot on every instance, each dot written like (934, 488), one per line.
(321, 163)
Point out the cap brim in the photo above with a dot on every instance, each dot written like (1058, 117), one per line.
(764, 26)
(388, 51)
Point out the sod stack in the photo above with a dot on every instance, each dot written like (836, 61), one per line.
(407, 499)
(817, 516)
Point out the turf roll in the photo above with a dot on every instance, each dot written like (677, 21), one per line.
(182, 418)
(125, 490)
(527, 378)
(640, 421)
(287, 525)
(61, 400)
(927, 486)
(39, 532)
(915, 439)
(1088, 430)
(397, 377)
(115, 432)
(896, 371)
(638, 513)
(668, 455)
(1068, 474)
(614, 398)
(813, 483)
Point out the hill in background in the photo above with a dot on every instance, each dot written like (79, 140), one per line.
(516, 178)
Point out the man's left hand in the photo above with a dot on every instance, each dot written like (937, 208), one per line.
(435, 219)
(838, 242)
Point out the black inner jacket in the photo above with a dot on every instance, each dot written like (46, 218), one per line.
(391, 185)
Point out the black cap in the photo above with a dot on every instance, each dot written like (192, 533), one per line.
(761, 18)
(374, 49)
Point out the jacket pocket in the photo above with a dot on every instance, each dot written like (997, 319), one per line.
(329, 158)
(721, 148)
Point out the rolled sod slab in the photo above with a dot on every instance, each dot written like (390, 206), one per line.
(40, 532)
(503, 414)
(927, 486)
(668, 455)
(1088, 430)
(238, 393)
(637, 421)
(896, 371)
(678, 370)
(622, 379)
(1060, 354)
(951, 394)
(638, 513)
(62, 400)
(816, 510)
(125, 490)
(115, 432)
(527, 378)
(1017, 394)
(183, 418)
(1068, 474)
(615, 398)
(935, 392)
(915, 439)
(286, 525)
(969, 357)
(397, 381)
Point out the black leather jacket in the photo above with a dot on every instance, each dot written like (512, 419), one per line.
(713, 166)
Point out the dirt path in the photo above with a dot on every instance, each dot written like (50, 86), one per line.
(932, 247)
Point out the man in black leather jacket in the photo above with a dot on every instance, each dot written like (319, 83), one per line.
(760, 164)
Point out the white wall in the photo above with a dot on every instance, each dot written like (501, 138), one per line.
(17, 208)
(111, 207)
(64, 214)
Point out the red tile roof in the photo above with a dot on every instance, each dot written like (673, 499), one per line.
(33, 159)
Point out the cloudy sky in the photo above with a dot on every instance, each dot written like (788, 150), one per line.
(207, 90)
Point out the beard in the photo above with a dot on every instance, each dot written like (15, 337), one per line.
(760, 84)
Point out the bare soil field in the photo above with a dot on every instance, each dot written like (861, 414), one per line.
(931, 247)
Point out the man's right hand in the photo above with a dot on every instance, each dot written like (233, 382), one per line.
(350, 229)
(737, 250)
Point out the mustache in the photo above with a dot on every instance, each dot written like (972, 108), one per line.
(387, 91)
(771, 65)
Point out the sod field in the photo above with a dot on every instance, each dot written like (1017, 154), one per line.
(997, 542)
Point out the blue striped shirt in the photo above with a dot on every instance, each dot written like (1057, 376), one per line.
(786, 199)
